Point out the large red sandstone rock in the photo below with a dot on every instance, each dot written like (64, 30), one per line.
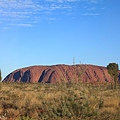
(60, 73)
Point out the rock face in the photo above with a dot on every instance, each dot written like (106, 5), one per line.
(60, 73)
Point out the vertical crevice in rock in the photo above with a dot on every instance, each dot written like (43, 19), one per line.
(105, 79)
(42, 76)
(95, 74)
(26, 76)
(17, 76)
(50, 77)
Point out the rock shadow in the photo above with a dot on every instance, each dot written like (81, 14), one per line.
(17, 76)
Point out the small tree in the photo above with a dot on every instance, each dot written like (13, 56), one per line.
(0, 75)
(113, 71)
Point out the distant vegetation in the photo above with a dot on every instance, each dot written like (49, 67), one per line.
(66, 101)
(113, 71)
(0, 75)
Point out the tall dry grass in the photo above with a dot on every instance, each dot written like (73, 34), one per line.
(25, 101)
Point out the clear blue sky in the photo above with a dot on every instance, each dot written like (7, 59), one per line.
(47, 32)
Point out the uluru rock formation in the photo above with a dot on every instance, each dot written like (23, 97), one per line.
(60, 73)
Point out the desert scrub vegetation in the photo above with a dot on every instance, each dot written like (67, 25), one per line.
(66, 101)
